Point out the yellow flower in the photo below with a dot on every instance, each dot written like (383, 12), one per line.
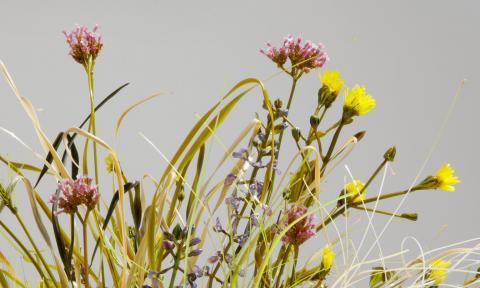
(438, 270)
(327, 258)
(331, 79)
(109, 160)
(354, 188)
(357, 102)
(445, 178)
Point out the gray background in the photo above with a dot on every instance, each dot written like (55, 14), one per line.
(411, 55)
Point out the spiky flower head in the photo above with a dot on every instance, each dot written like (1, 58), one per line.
(303, 229)
(331, 80)
(355, 188)
(84, 45)
(75, 193)
(357, 102)
(304, 56)
(444, 179)
(438, 270)
(331, 86)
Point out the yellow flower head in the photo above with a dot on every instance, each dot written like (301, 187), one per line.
(354, 188)
(109, 162)
(445, 178)
(331, 79)
(328, 257)
(438, 270)
(357, 102)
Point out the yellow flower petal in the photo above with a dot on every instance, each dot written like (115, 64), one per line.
(354, 188)
(331, 79)
(328, 257)
(446, 178)
(438, 270)
(357, 100)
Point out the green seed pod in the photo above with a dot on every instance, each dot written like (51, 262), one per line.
(314, 121)
(390, 154)
(296, 134)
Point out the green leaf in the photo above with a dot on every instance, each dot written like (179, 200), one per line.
(177, 232)
(59, 137)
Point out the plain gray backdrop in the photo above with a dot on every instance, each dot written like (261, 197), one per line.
(411, 56)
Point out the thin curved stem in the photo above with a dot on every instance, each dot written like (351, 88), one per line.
(37, 251)
(25, 250)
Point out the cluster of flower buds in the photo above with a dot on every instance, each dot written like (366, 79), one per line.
(303, 56)
(74, 194)
(84, 45)
(197, 272)
(227, 258)
(177, 241)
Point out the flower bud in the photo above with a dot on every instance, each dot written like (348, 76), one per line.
(410, 216)
(213, 259)
(314, 121)
(137, 208)
(195, 241)
(390, 154)
(296, 133)
(195, 252)
(327, 259)
(360, 135)
(278, 103)
(167, 245)
(326, 97)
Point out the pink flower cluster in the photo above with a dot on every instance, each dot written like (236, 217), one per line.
(303, 229)
(84, 44)
(75, 193)
(304, 56)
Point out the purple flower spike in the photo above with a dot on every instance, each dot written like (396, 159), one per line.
(304, 56)
(84, 45)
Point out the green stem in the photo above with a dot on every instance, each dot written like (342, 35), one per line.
(282, 266)
(332, 144)
(225, 250)
(92, 117)
(404, 216)
(280, 137)
(294, 267)
(336, 211)
(85, 248)
(174, 273)
(37, 251)
(72, 240)
(25, 250)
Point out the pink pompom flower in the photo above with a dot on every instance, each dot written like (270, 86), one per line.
(84, 45)
(304, 56)
(303, 229)
(75, 193)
